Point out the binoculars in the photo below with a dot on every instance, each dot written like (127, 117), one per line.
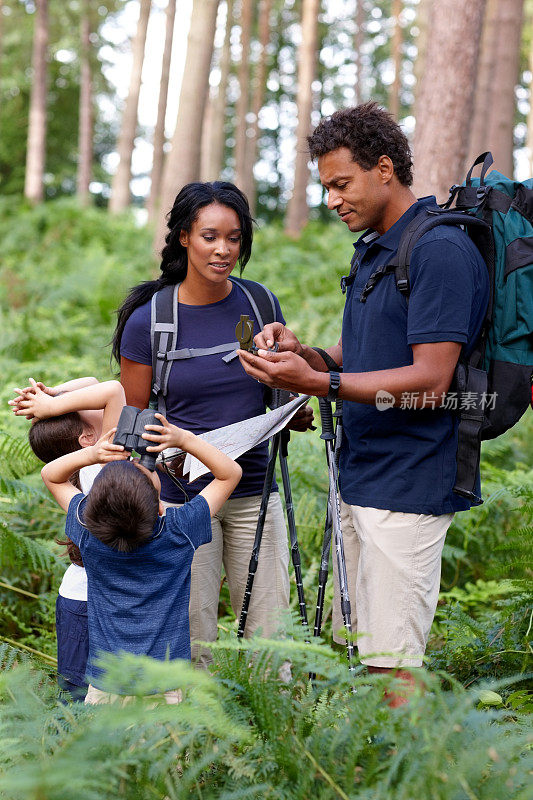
(129, 433)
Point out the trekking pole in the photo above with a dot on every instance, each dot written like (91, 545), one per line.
(322, 577)
(295, 550)
(328, 435)
(252, 567)
(323, 572)
(326, 543)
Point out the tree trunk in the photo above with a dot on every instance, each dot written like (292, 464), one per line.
(499, 135)
(396, 48)
(1, 48)
(258, 96)
(1, 30)
(120, 187)
(182, 164)
(529, 141)
(243, 103)
(297, 210)
(85, 137)
(484, 107)
(214, 123)
(423, 20)
(36, 148)
(446, 95)
(358, 41)
(159, 132)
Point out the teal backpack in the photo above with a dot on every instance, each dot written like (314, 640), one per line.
(494, 385)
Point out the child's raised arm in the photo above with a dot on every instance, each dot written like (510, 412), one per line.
(108, 396)
(227, 473)
(67, 386)
(56, 474)
(71, 386)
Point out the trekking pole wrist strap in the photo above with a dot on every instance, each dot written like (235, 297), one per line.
(330, 362)
(334, 386)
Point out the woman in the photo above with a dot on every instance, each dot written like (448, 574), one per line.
(210, 231)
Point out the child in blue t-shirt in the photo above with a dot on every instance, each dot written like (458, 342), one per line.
(138, 563)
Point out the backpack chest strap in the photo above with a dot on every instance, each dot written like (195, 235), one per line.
(375, 278)
(193, 352)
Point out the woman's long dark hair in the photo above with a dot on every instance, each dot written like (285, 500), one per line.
(187, 204)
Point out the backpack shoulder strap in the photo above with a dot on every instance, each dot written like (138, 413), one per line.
(163, 338)
(261, 299)
(400, 262)
(424, 221)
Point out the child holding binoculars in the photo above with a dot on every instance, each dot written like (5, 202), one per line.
(137, 562)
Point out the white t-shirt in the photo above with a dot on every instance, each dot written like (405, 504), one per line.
(74, 583)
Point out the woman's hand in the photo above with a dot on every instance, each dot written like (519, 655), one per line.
(165, 435)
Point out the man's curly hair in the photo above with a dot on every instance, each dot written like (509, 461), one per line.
(369, 132)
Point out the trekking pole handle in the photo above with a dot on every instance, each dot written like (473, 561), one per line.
(326, 418)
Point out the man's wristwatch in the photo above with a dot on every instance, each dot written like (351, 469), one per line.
(334, 385)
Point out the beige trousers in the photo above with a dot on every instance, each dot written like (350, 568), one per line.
(233, 537)
(393, 561)
(96, 697)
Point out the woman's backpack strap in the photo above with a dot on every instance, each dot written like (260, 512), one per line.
(260, 298)
(163, 338)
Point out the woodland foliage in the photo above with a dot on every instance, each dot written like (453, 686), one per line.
(240, 732)
(363, 51)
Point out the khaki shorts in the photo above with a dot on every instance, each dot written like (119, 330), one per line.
(393, 561)
(96, 697)
(233, 537)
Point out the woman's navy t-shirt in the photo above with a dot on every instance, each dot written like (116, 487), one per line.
(205, 393)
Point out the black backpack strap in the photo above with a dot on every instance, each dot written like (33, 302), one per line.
(347, 280)
(400, 262)
(471, 385)
(425, 221)
(163, 338)
(486, 160)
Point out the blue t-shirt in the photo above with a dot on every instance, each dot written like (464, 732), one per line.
(402, 459)
(138, 602)
(205, 393)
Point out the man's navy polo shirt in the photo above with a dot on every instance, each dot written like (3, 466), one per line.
(405, 459)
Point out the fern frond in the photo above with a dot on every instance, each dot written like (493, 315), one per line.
(16, 456)
(20, 552)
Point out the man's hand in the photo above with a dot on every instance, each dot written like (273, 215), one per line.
(104, 450)
(165, 435)
(302, 420)
(276, 332)
(284, 370)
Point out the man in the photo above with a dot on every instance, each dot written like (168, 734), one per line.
(398, 462)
